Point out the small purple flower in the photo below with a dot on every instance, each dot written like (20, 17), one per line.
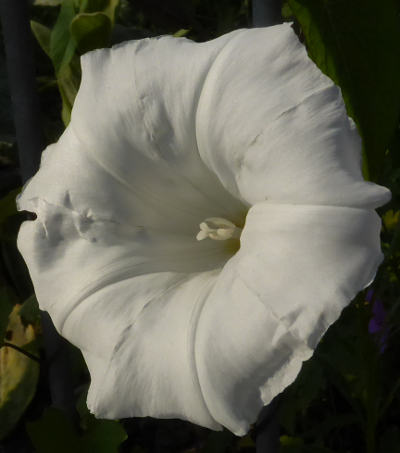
(377, 324)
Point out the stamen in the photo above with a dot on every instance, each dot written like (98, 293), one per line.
(219, 229)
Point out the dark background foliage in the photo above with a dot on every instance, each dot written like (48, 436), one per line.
(346, 398)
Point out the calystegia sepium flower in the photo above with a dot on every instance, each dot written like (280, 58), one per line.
(200, 224)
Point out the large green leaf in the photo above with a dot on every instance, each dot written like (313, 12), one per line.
(357, 44)
(101, 436)
(42, 35)
(53, 432)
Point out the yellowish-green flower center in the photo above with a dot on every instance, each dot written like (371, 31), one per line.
(219, 229)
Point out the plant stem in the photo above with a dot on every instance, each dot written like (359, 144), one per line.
(21, 350)
(21, 80)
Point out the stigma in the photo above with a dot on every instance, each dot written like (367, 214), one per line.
(219, 229)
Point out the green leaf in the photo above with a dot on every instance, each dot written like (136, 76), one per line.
(107, 7)
(42, 35)
(299, 396)
(99, 435)
(68, 84)
(290, 441)
(91, 31)
(47, 2)
(246, 442)
(30, 312)
(8, 206)
(296, 445)
(286, 12)
(7, 151)
(92, 6)
(103, 436)
(357, 44)
(12, 263)
(53, 432)
(331, 423)
(62, 47)
(390, 441)
(110, 9)
(7, 301)
(316, 449)
(218, 441)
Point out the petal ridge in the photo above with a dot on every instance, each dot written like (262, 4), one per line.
(134, 338)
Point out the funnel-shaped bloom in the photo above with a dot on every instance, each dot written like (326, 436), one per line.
(200, 223)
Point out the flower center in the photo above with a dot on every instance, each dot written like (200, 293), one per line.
(218, 229)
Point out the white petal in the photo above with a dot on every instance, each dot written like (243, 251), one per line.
(273, 127)
(151, 323)
(297, 268)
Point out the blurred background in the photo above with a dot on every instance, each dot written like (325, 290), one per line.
(347, 397)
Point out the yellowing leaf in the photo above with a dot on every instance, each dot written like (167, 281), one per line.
(391, 219)
(18, 373)
(181, 32)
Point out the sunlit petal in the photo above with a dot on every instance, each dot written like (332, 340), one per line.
(297, 268)
(299, 146)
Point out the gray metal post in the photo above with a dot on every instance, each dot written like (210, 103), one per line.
(266, 12)
(21, 78)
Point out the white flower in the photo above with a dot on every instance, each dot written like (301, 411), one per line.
(171, 140)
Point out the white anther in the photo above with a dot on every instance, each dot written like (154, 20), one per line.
(218, 229)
